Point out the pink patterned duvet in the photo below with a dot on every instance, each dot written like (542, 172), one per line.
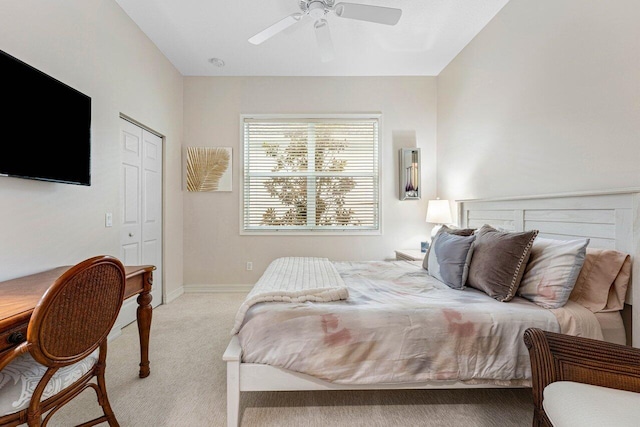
(399, 325)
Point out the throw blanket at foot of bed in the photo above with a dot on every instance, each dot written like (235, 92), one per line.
(295, 279)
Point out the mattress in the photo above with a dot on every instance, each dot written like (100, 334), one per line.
(399, 325)
(612, 327)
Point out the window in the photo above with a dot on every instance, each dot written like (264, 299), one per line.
(310, 174)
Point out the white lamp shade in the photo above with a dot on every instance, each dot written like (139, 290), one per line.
(439, 212)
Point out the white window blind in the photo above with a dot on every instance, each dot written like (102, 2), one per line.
(315, 174)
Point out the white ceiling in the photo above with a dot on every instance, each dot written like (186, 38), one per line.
(428, 36)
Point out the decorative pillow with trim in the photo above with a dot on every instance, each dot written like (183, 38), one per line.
(552, 271)
(499, 261)
(449, 258)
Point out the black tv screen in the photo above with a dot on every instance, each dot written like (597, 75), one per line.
(46, 126)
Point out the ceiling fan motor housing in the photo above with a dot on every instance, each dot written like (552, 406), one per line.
(317, 9)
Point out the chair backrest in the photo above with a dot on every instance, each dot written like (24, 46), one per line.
(77, 312)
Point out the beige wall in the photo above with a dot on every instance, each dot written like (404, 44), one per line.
(215, 253)
(544, 100)
(93, 46)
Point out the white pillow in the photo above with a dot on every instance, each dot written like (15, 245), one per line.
(552, 271)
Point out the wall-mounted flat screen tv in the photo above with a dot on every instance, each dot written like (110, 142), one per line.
(45, 126)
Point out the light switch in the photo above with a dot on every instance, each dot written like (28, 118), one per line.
(108, 219)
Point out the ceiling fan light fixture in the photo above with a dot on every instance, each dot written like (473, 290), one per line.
(317, 9)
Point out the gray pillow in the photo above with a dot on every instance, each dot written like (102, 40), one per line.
(448, 259)
(450, 230)
(458, 231)
(499, 261)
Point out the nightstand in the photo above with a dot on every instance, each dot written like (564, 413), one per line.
(409, 255)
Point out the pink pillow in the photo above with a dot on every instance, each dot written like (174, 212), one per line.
(603, 281)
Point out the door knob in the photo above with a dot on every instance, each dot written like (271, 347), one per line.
(130, 234)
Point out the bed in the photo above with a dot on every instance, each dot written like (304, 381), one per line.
(356, 343)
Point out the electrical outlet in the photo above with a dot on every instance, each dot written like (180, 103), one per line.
(249, 266)
(108, 219)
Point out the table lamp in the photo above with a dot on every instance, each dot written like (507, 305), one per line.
(438, 213)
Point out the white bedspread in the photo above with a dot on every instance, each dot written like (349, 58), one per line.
(399, 325)
(295, 279)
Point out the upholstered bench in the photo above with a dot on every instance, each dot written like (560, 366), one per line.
(583, 382)
(571, 404)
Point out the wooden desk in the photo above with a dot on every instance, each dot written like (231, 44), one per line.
(18, 298)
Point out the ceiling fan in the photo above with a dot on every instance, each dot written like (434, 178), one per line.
(317, 10)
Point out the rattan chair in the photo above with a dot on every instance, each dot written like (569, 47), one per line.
(560, 357)
(66, 345)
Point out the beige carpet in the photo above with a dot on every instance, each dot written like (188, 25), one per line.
(187, 385)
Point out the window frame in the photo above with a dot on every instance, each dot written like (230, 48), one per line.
(318, 231)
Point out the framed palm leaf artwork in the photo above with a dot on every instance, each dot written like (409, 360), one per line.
(209, 168)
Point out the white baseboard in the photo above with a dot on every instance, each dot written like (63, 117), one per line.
(211, 288)
(174, 294)
(127, 312)
(116, 331)
(128, 315)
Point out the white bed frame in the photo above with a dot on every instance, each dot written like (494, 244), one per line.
(610, 219)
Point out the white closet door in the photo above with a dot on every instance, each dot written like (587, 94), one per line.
(141, 207)
(151, 241)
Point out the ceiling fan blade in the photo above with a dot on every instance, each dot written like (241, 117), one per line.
(365, 12)
(274, 29)
(323, 37)
(301, 23)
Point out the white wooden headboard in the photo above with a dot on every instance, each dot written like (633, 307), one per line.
(609, 219)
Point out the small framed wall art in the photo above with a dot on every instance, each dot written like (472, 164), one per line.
(410, 188)
(209, 168)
